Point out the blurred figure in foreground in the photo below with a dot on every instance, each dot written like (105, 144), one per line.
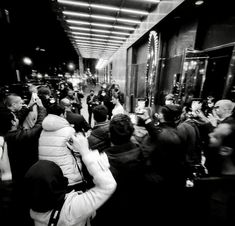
(46, 189)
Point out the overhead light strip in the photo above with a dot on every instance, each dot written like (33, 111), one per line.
(100, 25)
(96, 44)
(70, 13)
(104, 7)
(97, 35)
(98, 39)
(101, 43)
(98, 30)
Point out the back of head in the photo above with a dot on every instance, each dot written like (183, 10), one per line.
(100, 113)
(56, 109)
(44, 91)
(171, 112)
(121, 129)
(45, 186)
(225, 104)
(65, 102)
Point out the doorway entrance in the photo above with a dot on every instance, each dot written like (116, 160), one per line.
(205, 73)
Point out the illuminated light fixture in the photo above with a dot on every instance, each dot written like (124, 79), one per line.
(97, 39)
(70, 13)
(97, 30)
(27, 61)
(71, 66)
(110, 8)
(100, 25)
(101, 63)
(113, 26)
(199, 2)
(97, 42)
(119, 33)
(97, 35)
(97, 45)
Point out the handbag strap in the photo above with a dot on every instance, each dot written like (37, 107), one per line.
(55, 215)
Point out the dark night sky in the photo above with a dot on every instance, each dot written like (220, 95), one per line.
(34, 24)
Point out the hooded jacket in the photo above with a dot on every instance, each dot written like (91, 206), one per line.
(52, 146)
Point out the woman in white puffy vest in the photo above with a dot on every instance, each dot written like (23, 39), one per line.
(52, 146)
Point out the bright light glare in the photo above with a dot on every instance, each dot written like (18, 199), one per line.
(27, 61)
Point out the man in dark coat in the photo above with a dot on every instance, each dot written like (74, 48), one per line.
(99, 137)
(78, 121)
(23, 153)
(125, 207)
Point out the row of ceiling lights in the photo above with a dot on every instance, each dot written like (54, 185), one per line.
(110, 36)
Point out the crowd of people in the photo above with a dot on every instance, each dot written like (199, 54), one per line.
(175, 164)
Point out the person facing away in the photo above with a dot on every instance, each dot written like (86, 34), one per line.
(46, 189)
(99, 137)
(126, 166)
(52, 145)
(78, 122)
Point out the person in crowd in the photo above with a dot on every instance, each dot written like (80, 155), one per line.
(92, 101)
(164, 155)
(119, 93)
(208, 106)
(6, 183)
(44, 93)
(63, 90)
(223, 110)
(169, 99)
(103, 96)
(118, 108)
(52, 146)
(16, 105)
(194, 130)
(46, 189)
(99, 137)
(78, 122)
(75, 101)
(214, 197)
(126, 166)
(22, 147)
(31, 118)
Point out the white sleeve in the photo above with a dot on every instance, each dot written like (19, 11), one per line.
(80, 206)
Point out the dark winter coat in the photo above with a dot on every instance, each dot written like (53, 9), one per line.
(99, 137)
(23, 146)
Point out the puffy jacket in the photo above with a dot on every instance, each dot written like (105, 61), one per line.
(52, 146)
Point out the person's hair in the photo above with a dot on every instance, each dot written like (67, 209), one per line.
(121, 129)
(65, 102)
(6, 117)
(56, 109)
(100, 113)
(43, 91)
(9, 99)
(171, 112)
